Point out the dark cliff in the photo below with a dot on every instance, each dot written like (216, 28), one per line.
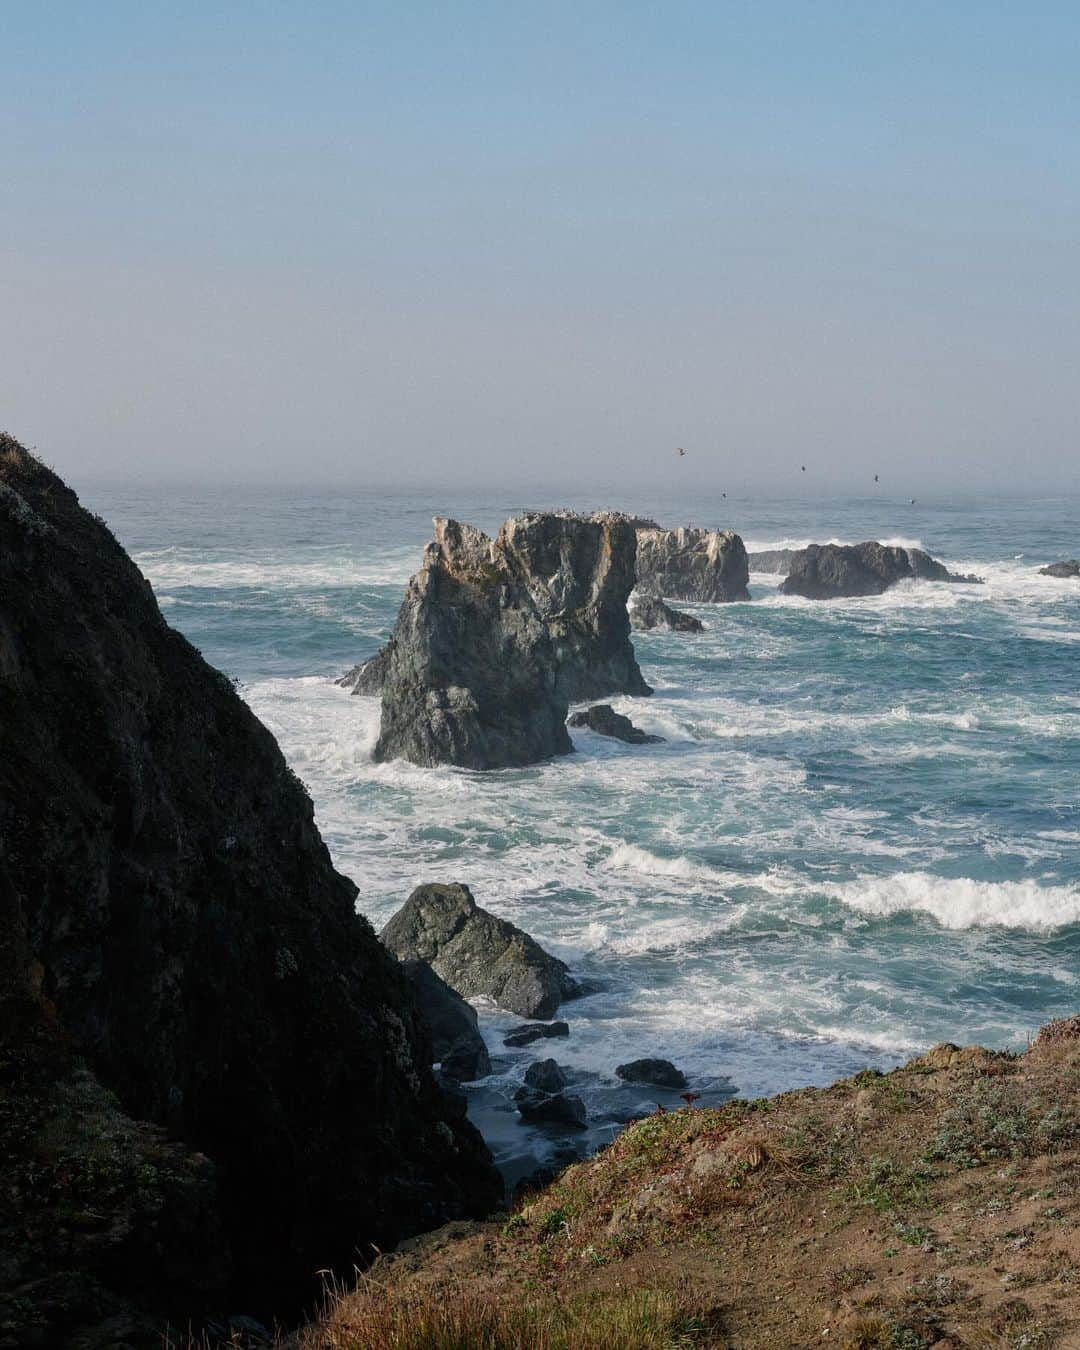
(176, 921)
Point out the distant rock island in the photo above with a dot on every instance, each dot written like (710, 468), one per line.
(845, 571)
(1069, 568)
(496, 637)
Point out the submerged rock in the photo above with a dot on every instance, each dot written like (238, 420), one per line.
(181, 954)
(562, 1108)
(454, 1028)
(535, 1031)
(545, 1075)
(605, 721)
(845, 571)
(649, 612)
(1069, 568)
(692, 564)
(496, 637)
(656, 1072)
(477, 954)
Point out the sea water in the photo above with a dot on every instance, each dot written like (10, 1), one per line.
(860, 836)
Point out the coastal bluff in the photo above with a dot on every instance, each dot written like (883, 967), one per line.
(214, 1078)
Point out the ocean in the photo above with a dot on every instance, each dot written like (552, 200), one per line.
(861, 835)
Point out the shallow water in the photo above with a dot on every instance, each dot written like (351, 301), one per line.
(861, 836)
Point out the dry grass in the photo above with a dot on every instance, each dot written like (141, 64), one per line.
(476, 1318)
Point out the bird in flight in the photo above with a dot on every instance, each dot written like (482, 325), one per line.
(875, 478)
(681, 452)
(804, 468)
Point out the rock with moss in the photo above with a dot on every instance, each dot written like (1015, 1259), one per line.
(495, 637)
(188, 935)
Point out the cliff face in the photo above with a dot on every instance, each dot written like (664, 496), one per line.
(184, 926)
(691, 564)
(496, 637)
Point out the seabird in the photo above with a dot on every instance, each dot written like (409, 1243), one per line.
(875, 478)
(681, 452)
(804, 468)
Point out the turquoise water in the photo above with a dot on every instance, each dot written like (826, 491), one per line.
(861, 836)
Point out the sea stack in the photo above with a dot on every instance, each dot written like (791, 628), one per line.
(691, 564)
(847, 571)
(496, 637)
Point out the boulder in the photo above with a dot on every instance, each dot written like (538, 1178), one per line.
(368, 677)
(605, 721)
(543, 1108)
(691, 564)
(456, 1042)
(496, 637)
(545, 1075)
(649, 611)
(1069, 568)
(535, 1031)
(774, 560)
(183, 957)
(478, 955)
(845, 571)
(655, 1072)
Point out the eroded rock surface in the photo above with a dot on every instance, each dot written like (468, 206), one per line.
(691, 563)
(845, 571)
(649, 611)
(477, 954)
(187, 936)
(1069, 568)
(496, 637)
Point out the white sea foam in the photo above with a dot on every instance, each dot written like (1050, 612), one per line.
(960, 902)
(176, 568)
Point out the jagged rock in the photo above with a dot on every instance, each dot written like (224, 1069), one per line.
(545, 1076)
(477, 954)
(184, 930)
(454, 1028)
(775, 560)
(656, 1072)
(495, 637)
(369, 676)
(838, 571)
(649, 612)
(605, 721)
(535, 1031)
(543, 1108)
(1069, 568)
(691, 564)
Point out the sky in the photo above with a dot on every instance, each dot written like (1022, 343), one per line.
(498, 242)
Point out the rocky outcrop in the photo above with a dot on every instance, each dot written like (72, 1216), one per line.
(542, 1108)
(774, 560)
(839, 571)
(478, 955)
(535, 1031)
(369, 676)
(692, 564)
(1069, 568)
(496, 637)
(545, 1075)
(452, 1024)
(656, 1072)
(181, 926)
(649, 611)
(605, 721)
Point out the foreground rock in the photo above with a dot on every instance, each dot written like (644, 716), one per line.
(774, 560)
(456, 1043)
(495, 637)
(605, 721)
(561, 1108)
(535, 1031)
(846, 571)
(545, 1076)
(691, 564)
(478, 955)
(179, 955)
(649, 612)
(1069, 568)
(657, 1072)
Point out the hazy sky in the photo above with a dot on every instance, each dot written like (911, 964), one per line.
(544, 240)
